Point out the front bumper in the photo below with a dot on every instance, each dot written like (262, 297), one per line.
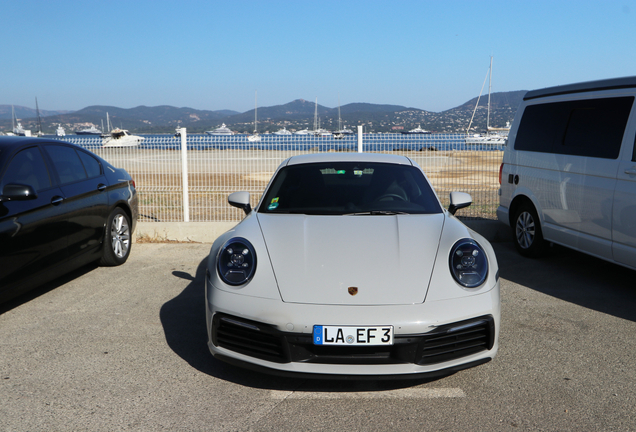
(276, 337)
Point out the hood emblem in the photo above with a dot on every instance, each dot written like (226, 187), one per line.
(352, 290)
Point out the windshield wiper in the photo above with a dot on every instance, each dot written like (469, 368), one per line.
(377, 213)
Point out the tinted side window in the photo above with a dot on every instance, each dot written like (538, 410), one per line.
(93, 168)
(67, 163)
(27, 167)
(592, 127)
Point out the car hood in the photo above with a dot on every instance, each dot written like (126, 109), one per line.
(317, 259)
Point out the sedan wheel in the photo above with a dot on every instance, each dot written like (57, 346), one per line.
(116, 239)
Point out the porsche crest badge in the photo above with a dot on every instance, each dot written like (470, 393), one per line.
(353, 290)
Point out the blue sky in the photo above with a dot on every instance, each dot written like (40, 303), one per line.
(213, 55)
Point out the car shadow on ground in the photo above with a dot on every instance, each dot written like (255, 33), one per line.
(183, 320)
(45, 288)
(574, 277)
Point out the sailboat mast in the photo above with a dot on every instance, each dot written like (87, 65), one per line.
(37, 108)
(255, 112)
(316, 116)
(339, 119)
(489, 89)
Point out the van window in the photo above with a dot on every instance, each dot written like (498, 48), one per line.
(591, 127)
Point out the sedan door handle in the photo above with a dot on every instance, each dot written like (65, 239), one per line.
(631, 171)
(57, 200)
(101, 187)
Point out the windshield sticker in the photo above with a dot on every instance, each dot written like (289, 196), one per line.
(273, 204)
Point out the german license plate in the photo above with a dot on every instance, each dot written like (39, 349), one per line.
(348, 335)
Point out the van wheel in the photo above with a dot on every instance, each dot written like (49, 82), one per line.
(116, 248)
(526, 231)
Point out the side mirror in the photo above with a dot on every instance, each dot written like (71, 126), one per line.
(459, 200)
(18, 192)
(240, 200)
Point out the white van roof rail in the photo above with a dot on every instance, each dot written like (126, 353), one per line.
(606, 84)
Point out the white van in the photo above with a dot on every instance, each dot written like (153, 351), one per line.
(569, 170)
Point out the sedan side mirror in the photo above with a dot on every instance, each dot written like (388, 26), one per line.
(459, 200)
(18, 192)
(240, 200)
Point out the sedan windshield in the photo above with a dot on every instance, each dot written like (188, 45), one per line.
(350, 188)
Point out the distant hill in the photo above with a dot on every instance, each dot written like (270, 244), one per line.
(24, 112)
(298, 114)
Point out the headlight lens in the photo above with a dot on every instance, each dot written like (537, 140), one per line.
(468, 263)
(236, 262)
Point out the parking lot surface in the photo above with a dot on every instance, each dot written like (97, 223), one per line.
(124, 348)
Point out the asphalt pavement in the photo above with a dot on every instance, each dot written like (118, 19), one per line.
(124, 348)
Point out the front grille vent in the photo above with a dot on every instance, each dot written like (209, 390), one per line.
(457, 340)
(249, 338)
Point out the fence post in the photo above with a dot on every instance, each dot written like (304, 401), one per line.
(184, 173)
(360, 139)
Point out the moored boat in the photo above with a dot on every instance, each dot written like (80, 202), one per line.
(223, 130)
(493, 136)
(255, 137)
(282, 131)
(89, 131)
(121, 138)
(417, 130)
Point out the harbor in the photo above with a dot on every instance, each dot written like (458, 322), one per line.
(174, 188)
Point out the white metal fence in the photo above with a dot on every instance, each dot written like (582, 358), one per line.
(215, 166)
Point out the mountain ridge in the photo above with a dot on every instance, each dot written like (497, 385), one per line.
(297, 114)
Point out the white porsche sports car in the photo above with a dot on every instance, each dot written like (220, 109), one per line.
(349, 267)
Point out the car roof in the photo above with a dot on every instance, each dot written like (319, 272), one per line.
(10, 142)
(606, 84)
(348, 157)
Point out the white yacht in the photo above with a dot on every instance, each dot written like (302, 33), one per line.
(89, 131)
(20, 131)
(282, 131)
(60, 131)
(121, 138)
(302, 132)
(418, 130)
(223, 130)
(487, 138)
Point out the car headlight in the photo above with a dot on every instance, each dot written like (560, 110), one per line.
(468, 263)
(236, 261)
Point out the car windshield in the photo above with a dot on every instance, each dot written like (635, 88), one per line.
(350, 188)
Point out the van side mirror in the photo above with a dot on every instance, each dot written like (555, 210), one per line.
(240, 200)
(459, 200)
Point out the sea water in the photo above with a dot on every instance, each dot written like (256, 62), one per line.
(372, 142)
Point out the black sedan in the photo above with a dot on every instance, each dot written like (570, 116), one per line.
(61, 207)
